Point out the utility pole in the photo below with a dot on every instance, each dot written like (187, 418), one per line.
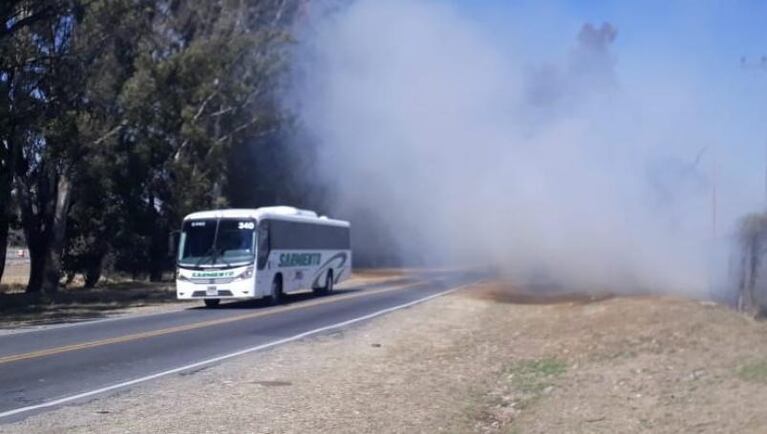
(714, 187)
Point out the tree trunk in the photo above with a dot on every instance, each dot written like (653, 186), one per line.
(4, 223)
(157, 254)
(6, 180)
(752, 264)
(35, 231)
(92, 276)
(742, 272)
(36, 265)
(93, 267)
(55, 250)
(93, 272)
(155, 272)
(158, 247)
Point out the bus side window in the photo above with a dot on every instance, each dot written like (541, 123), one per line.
(263, 244)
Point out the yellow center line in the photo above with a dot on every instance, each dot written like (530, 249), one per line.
(194, 326)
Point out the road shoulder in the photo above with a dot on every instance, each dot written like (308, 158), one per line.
(78, 306)
(468, 363)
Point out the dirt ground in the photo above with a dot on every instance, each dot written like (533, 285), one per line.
(16, 272)
(471, 362)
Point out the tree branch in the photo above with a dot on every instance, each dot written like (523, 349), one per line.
(110, 133)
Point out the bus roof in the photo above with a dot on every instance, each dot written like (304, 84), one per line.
(269, 212)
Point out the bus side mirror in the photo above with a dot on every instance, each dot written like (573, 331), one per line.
(173, 239)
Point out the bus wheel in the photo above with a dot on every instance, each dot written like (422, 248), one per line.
(212, 302)
(328, 288)
(276, 296)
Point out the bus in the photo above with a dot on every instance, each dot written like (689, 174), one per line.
(239, 254)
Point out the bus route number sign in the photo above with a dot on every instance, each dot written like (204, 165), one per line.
(246, 226)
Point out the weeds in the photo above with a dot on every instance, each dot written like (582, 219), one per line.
(754, 372)
(531, 378)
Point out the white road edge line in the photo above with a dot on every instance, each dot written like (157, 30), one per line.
(227, 356)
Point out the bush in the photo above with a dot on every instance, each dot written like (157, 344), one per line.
(751, 272)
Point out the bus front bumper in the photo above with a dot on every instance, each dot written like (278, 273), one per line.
(188, 290)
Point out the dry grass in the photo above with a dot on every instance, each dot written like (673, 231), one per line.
(15, 275)
(73, 303)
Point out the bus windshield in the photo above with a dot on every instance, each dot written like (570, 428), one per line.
(217, 242)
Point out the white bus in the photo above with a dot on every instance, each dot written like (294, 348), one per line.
(260, 253)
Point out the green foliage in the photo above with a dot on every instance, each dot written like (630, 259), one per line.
(117, 117)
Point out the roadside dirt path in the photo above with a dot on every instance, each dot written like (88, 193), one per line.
(471, 362)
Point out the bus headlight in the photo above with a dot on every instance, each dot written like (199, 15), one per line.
(181, 277)
(247, 274)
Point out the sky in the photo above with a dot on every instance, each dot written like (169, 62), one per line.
(699, 44)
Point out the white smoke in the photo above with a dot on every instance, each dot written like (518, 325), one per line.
(453, 143)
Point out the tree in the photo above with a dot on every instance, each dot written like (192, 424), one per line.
(752, 238)
(204, 87)
(122, 116)
(85, 40)
(110, 39)
(20, 65)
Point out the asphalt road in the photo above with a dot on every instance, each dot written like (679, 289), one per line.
(40, 370)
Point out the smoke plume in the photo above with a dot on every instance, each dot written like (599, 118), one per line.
(447, 141)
